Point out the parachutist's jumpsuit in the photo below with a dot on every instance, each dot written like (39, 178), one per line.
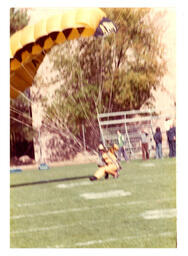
(111, 166)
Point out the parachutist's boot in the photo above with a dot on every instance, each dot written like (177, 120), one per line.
(92, 178)
(106, 176)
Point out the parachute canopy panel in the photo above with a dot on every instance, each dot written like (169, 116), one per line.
(29, 45)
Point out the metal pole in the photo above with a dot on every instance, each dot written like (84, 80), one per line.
(100, 128)
(126, 132)
(83, 134)
(40, 147)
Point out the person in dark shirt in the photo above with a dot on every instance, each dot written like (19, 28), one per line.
(158, 141)
(171, 135)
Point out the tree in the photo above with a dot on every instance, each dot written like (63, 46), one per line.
(18, 19)
(114, 73)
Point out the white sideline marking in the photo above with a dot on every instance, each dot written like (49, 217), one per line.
(75, 184)
(108, 194)
(37, 203)
(50, 213)
(158, 214)
(64, 211)
(123, 238)
(41, 229)
(85, 208)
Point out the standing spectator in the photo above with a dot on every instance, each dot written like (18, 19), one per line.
(150, 144)
(144, 144)
(158, 141)
(168, 123)
(121, 145)
(171, 135)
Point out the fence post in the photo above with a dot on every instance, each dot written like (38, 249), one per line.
(130, 147)
(100, 128)
(83, 135)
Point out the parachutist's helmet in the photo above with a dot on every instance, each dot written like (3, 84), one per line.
(101, 147)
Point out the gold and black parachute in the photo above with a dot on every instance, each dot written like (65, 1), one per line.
(29, 45)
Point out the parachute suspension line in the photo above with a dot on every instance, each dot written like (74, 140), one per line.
(19, 113)
(31, 102)
(60, 123)
(19, 121)
(69, 94)
(98, 66)
(87, 117)
(29, 118)
(99, 99)
(112, 73)
(64, 126)
(25, 116)
(47, 126)
(99, 78)
(100, 128)
(28, 72)
(21, 93)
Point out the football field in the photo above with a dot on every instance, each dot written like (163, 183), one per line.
(62, 208)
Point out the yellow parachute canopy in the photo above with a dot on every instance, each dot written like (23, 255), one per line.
(29, 45)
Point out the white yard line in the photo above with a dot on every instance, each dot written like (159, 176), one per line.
(38, 203)
(106, 194)
(75, 184)
(42, 229)
(84, 208)
(159, 214)
(123, 238)
(51, 213)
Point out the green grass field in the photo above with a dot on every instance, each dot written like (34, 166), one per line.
(137, 210)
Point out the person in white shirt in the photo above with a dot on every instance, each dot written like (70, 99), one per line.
(144, 144)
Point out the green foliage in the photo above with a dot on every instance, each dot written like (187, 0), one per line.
(18, 19)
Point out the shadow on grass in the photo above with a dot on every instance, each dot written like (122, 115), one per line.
(48, 181)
